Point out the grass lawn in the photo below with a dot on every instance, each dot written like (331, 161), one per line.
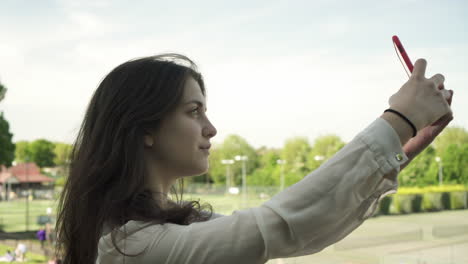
(226, 204)
(13, 213)
(31, 257)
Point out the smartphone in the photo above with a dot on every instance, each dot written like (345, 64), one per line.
(400, 50)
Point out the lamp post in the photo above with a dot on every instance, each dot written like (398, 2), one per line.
(228, 178)
(244, 179)
(27, 195)
(439, 160)
(281, 162)
(319, 158)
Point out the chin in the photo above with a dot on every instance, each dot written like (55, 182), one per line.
(203, 170)
(199, 170)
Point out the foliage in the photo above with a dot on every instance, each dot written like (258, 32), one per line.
(42, 153)
(423, 170)
(451, 135)
(432, 189)
(60, 181)
(269, 172)
(22, 152)
(454, 161)
(425, 199)
(3, 91)
(324, 148)
(7, 147)
(62, 153)
(232, 146)
(295, 152)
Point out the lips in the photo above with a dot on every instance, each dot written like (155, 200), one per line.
(206, 146)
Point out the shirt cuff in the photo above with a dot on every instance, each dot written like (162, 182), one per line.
(389, 155)
(383, 140)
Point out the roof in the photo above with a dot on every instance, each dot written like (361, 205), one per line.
(23, 173)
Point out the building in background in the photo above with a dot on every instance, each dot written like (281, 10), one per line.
(18, 179)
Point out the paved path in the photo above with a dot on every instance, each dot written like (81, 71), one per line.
(432, 238)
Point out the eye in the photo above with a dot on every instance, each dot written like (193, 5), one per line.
(196, 110)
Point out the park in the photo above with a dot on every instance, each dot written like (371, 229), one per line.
(104, 107)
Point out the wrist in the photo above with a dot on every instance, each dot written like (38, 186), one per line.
(401, 127)
(402, 116)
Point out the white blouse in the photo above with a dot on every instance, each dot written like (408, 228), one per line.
(319, 210)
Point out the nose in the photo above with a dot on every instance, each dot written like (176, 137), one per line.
(209, 130)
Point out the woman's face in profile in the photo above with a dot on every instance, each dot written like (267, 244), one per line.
(181, 141)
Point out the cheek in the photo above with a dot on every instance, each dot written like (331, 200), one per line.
(183, 137)
(188, 130)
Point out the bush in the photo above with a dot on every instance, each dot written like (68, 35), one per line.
(458, 200)
(416, 203)
(425, 199)
(445, 200)
(432, 202)
(401, 204)
(384, 205)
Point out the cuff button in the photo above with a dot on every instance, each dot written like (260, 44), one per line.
(399, 157)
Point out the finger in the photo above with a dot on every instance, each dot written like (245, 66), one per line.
(446, 94)
(438, 79)
(419, 68)
(441, 124)
(451, 96)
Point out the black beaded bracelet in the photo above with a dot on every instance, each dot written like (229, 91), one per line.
(405, 118)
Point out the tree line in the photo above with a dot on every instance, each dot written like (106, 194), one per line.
(446, 157)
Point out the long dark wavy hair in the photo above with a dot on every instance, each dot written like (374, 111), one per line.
(107, 179)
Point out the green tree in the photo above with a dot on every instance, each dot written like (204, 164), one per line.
(232, 145)
(451, 135)
(7, 147)
(324, 148)
(62, 153)
(295, 152)
(454, 163)
(268, 172)
(3, 90)
(42, 152)
(22, 151)
(422, 171)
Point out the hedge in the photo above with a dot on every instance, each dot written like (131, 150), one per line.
(424, 199)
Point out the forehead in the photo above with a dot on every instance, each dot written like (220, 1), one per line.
(192, 91)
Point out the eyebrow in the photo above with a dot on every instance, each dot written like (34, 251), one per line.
(199, 103)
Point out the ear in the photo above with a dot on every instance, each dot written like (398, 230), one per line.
(149, 141)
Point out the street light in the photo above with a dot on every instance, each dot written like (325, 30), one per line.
(319, 157)
(281, 162)
(439, 160)
(27, 196)
(228, 178)
(244, 180)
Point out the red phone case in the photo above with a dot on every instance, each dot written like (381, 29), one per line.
(403, 53)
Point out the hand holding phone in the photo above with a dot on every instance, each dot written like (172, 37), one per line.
(405, 98)
(402, 54)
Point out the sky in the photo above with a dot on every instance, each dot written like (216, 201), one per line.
(273, 69)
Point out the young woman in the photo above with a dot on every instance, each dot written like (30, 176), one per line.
(146, 128)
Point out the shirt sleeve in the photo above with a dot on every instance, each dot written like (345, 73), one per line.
(321, 209)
